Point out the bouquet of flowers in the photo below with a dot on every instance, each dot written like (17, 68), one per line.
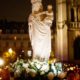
(37, 68)
(18, 67)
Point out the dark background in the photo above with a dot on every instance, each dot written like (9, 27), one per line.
(19, 10)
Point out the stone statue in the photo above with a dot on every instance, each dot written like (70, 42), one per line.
(39, 30)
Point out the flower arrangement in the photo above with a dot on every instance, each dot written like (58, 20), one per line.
(37, 68)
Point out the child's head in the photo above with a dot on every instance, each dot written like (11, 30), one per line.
(49, 8)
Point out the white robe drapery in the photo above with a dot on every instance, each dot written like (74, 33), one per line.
(40, 36)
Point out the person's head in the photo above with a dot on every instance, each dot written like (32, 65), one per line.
(50, 76)
(49, 8)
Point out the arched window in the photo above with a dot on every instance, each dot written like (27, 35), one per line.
(77, 48)
(72, 15)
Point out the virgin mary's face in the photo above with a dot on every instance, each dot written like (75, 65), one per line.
(38, 9)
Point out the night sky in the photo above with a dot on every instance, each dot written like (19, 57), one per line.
(18, 10)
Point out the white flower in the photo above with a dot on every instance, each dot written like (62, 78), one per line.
(45, 67)
(54, 69)
(25, 65)
(38, 66)
(42, 73)
(32, 70)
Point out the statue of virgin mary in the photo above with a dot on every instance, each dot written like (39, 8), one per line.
(39, 30)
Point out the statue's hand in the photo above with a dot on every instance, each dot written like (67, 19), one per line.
(43, 16)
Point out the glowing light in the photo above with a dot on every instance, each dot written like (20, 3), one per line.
(10, 51)
(0, 78)
(72, 68)
(15, 37)
(68, 69)
(1, 62)
(0, 30)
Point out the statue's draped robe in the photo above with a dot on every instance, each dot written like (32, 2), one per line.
(40, 37)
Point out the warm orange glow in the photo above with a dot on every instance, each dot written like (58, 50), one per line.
(9, 55)
(15, 37)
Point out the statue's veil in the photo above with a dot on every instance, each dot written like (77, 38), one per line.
(36, 4)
